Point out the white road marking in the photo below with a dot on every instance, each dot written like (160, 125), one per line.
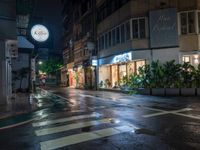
(50, 93)
(188, 116)
(174, 112)
(164, 112)
(83, 137)
(53, 130)
(50, 122)
(15, 125)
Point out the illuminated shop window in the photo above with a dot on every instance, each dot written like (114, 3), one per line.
(196, 59)
(139, 64)
(186, 58)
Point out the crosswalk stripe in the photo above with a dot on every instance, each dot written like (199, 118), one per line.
(50, 122)
(53, 130)
(83, 137)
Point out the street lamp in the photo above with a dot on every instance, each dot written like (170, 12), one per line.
(40, 62)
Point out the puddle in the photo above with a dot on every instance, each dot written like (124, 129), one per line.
(145, 131)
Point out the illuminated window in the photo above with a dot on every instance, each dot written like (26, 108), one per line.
(186, 58)
(139, 64)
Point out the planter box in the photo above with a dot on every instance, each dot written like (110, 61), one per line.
(144, 91)
(158, 91)
(198, 91)
(172, 91)
(188, 91)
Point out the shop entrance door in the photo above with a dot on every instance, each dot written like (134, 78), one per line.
(114, 76)
(122, 71)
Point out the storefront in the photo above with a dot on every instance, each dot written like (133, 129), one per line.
(70, 75)
(64, 76)
(192, 57)
(78, 76)
(113, 69)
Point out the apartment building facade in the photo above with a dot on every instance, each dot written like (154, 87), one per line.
(132, 33)
(79, 45)
(8, 45)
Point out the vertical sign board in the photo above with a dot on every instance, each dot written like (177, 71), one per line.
(163, 28)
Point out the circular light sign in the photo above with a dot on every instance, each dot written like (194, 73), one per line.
(40, 33)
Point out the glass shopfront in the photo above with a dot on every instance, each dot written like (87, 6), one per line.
(111, 75)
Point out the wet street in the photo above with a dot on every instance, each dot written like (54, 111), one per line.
(72, 119)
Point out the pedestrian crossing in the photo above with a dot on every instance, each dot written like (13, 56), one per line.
(103, 127)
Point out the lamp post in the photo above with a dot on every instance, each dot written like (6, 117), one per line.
(33, 73)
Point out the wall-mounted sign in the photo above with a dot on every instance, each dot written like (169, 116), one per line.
(163, 28)
(122, 58)
(11, 48)
(39, 33)
(94, 62)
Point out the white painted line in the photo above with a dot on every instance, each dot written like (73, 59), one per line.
(67, 100)
(53, 130)
(164, 112)
(17, 124)
(83, 137)
(50, 122)
(186, 115)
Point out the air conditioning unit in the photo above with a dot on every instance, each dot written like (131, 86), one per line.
(11, 48)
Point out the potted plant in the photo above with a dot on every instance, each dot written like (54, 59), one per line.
(144, 80)
(125, 82)
(172, 78)
(187, 80)
(197, 80)
(157, 77)
(101, 84)
(107, 83)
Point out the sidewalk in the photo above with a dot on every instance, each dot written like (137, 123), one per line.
(21, 104)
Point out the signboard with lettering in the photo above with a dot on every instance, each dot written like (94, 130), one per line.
(122, 58)
(39, 33)
(163, 28)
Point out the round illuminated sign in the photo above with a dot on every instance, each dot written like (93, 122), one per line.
(40, 33)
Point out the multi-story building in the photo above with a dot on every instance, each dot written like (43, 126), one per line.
(80, 35)
(132, 33)
(8, 46)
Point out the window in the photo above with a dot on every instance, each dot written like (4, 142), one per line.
(117, 35)
(139, 29)
(102, 42)
(142, 28)
(191, 22)
(122, 34)
(139, 64)
(186, 58)
(127, 31)
(106, 40)
(109, 39)
(199, 21)
(187, 22)
(135, 29)
(113, 37)
(183, 23)
(99, 43)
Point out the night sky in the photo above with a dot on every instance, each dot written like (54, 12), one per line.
(49, 13)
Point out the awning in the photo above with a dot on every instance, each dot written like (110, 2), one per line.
(24, 43)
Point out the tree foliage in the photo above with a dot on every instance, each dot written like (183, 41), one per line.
(50, 66)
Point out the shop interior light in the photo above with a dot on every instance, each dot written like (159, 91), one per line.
(196, 56)
(196, 61)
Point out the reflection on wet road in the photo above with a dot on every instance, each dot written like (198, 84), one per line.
(88, 120)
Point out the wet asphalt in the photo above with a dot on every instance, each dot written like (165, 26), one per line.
(158, 123)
